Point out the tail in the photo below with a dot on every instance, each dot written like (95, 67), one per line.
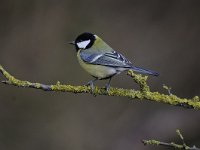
(145, 71)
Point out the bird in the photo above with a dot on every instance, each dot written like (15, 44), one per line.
(101, 61)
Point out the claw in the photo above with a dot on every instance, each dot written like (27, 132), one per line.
(108, 85)
(91, 84)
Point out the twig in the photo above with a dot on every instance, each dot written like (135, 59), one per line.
(143, 93)
(171, 144)
(168, 89)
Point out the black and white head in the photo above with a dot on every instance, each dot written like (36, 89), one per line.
(84, 41)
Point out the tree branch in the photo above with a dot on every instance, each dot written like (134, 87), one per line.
(171, 144)
(143, 93)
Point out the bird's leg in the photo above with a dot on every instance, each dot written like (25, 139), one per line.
(91, 84)
(108, 84)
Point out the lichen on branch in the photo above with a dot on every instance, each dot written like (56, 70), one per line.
(174, 145)
(143, 93)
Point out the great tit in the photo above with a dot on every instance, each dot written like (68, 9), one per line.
(100, 60)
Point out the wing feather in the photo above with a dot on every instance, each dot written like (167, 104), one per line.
(112, 59)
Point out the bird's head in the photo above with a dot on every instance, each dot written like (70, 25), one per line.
(84, 41)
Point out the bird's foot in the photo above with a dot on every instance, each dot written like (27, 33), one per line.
(107, 87)
(91, 84)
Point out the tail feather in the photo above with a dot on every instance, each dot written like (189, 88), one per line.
(145, 71)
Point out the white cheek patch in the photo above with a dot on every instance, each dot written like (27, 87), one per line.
(83, 44)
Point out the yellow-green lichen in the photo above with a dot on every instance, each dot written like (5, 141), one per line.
(151, 142)
(177, 146)
(37, 85)
(141, 80)
(170, 144)
(195, 99)
(58, 83)
(143, 93)
(179, 134)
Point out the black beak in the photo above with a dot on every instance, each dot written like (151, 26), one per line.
(72, 42)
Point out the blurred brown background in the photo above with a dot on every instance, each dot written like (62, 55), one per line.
(158, 35)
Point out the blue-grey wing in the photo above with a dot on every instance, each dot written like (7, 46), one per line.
(113, 59)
